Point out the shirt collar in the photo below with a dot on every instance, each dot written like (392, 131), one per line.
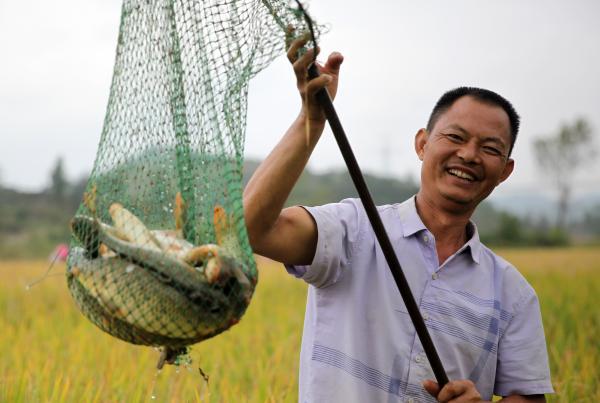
(409, 218)
(474, 244)
(412, 224)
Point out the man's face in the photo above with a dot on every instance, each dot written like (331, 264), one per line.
(466, 154)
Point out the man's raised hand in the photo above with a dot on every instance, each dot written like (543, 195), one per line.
(329, 74)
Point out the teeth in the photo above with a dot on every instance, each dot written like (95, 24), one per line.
(461, 174)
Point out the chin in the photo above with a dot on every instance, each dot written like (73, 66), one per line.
(465, 196)
(460, 199)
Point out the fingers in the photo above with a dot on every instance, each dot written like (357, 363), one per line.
(459, 391)
(450, 391)
(289, 36)
(334, 61)
(431, 387)
(301, 65)
(309, 87)
(295, 46)
(318, 83)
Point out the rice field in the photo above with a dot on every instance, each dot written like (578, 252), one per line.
(50, 353)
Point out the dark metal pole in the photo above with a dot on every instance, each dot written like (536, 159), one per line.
(380, 232)
(365, 196)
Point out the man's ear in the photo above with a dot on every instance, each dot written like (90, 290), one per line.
(508, 168)
(420, 140)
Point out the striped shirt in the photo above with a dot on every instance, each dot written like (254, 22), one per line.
(359, 344)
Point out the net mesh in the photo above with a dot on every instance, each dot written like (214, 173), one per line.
(159, 254)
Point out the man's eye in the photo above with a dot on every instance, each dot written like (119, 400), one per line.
(492, 150)
(454, 137)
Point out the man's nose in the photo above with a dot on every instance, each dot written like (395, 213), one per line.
(469, 152)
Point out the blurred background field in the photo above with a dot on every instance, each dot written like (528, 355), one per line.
(50, 352)
(546, 217)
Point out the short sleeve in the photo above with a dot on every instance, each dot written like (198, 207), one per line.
(338, 227)
(522, 357)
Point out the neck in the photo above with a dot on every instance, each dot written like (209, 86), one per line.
(448, 226)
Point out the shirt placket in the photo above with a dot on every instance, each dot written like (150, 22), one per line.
(419, 368)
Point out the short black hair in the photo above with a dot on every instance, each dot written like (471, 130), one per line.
(482, 95)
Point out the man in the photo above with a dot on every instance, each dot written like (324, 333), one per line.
(358, 343)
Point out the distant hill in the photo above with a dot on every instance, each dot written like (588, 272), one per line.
(32, 224)
(537, 206)
(333, 186)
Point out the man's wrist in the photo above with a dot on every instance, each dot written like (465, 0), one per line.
(310, 127)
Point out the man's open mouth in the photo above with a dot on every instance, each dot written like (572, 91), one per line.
(461, 174)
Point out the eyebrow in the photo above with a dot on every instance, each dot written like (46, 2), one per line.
(457, 127)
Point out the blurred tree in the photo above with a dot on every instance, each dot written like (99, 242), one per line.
(59, 184)
(591, 220)
(510, 230)
(561, 156)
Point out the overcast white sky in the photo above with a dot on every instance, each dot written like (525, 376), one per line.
(57, 58)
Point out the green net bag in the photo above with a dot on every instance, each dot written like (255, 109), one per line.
(159, 254)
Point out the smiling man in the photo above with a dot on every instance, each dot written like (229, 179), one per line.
(359, 344)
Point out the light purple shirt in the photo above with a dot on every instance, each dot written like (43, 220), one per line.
(359, 344)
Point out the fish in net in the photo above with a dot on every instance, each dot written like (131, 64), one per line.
(159, 253)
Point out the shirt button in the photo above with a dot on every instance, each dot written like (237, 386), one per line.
(410, 400)
(425, 238)
(418, 359)
(434, 276)
(425, 316)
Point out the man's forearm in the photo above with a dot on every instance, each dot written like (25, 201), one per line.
(290, 236)
(271, 184)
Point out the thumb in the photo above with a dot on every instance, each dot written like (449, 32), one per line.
(334, 62)
(431, 387)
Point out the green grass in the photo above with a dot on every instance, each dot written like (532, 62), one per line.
(567, 282)
(50, 352)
